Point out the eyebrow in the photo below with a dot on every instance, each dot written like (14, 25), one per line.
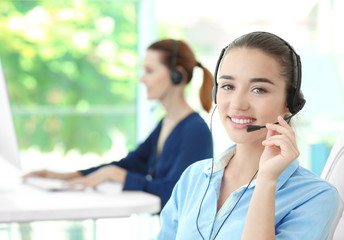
(252, 80)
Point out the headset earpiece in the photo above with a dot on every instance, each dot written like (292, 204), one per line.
(295, 99)
(176, 75)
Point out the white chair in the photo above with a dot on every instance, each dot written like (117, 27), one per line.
(333, 173)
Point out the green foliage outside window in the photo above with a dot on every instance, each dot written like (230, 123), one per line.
(71, 69)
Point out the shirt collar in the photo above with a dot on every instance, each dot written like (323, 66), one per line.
(221, 161)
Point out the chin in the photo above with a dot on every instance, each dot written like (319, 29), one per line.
(150, 97)
(243, 137)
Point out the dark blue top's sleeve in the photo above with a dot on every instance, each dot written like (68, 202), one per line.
(189, 142)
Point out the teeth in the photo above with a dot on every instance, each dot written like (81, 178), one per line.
(242, 121)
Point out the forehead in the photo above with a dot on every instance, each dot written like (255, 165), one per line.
(243, 62)
(152, 56)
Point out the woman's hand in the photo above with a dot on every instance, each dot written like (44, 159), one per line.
(280, 149)
(51, 174)
(103, 174)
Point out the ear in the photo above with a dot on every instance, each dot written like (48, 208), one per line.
(286, 110)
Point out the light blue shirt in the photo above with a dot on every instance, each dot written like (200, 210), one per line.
(305, 205)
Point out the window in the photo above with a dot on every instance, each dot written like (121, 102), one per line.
(72, 73)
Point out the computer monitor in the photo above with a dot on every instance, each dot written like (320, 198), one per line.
(9, 150)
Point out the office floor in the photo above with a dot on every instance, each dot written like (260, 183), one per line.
(136, 227)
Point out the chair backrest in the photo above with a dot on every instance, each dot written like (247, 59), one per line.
(333, 173)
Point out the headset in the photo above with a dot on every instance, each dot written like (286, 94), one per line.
(295, 98)
(176, 75)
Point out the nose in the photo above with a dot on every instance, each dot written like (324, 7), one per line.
(142, 78)
(239, 100)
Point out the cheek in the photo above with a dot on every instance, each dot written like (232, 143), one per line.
(162, 78)
(281, 105)
(222, 108)
(153, 81)
(272, 109)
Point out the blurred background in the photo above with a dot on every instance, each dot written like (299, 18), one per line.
(73, 67)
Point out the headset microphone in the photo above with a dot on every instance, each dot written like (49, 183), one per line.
(251, 128)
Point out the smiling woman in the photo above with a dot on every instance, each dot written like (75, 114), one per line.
(256, 188)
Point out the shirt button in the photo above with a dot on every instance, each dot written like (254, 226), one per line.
(149, 177)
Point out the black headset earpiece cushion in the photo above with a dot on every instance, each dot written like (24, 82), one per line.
(296, 101)
(177, 77)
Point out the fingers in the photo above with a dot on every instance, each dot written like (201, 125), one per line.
(282, 128)
(27, 175)
(282, 137)
(78, 183)
(82, 183)
(41, 173)
(286, 146)
(270, 132)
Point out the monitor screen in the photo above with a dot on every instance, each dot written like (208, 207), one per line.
(9, 150)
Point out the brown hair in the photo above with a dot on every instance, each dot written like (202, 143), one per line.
(187, 60)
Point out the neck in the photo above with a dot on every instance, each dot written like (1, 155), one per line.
(246, 158)
(176, 106)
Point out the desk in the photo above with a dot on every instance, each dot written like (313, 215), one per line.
(23, 206)
(26, 203)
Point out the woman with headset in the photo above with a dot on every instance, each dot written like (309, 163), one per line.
(255, 189)
(181, 138)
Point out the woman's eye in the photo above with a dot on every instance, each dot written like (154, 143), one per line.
(259, 90)
(148, 70)
(227, 87)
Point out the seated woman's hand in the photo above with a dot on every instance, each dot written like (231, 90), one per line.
(103, 174)
(51, 174)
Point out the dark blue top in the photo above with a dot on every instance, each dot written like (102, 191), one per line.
(189, 142)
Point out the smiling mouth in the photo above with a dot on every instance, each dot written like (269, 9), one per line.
(242, 121)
